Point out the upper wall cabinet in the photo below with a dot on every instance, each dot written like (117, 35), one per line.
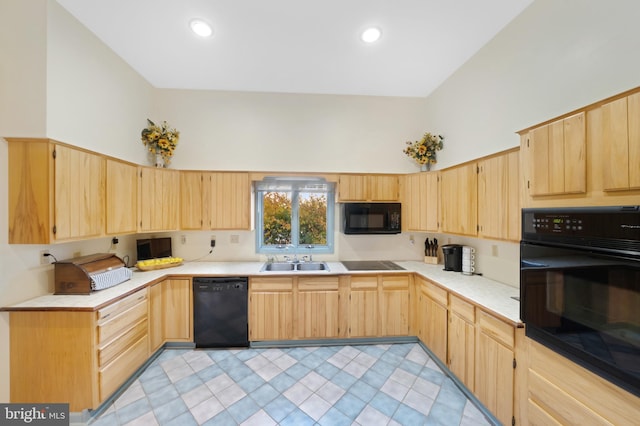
(215, 200)
(621, 143)
(56, 193)
(421, 202)
(499, 197)
(122, 197)
(558, 157)
(368, 188)
(159, 199)
(459, 198)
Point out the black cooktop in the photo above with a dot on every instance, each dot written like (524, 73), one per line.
(371, 265)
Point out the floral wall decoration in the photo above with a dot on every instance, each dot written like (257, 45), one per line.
(160, 140)
(424, 150)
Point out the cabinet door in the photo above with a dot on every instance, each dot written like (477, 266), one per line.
(230, 201)
(459, 195)
(557, 157)
(395, 306)
(383, 188)
(159, 199)
(433, 321)
(420, 210)
(122, 197)
(79, 194)
(191, 201)
(461, 342)
(177, 309)
(499, 197)
(494, 379)
(271, 309)
(363, 306)
(156, 318)
(621, 141)
(318, 307)
(352, 188)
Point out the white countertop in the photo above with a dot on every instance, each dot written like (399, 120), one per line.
(491, 295)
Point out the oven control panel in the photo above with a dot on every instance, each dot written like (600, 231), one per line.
(610, 223)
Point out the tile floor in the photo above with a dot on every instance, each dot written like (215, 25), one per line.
(366, 385)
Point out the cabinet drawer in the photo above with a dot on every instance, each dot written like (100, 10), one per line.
(497, 329)
(395, 282)
(115, 325)
(318, 284)
(463, 308)
(364, 282)
(107, 353)
(120, 306)
(271, 284)
(114, 374)
(436, 293)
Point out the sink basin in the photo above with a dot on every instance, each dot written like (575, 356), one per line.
(279, 266)
(291, 267)
(312, 266)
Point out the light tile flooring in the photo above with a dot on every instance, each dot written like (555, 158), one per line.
(366, 385)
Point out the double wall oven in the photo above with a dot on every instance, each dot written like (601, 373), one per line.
(580, 287)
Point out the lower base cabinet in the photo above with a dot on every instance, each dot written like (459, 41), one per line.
(74, 357)
(170, 312)
(271, 308)
(560, 392)
(461, 344)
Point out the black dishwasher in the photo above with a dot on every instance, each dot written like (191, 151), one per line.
(220, 312)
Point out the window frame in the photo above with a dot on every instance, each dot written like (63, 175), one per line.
(295, 186)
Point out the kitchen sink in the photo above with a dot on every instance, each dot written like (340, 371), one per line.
(292, 267)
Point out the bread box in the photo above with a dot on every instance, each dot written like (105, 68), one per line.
(82, 275)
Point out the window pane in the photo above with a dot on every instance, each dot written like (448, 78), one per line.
(313, 218)
(277, 218)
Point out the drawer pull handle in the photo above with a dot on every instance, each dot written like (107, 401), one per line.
(106, 315)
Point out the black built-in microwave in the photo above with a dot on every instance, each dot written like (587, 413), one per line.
(371, 218)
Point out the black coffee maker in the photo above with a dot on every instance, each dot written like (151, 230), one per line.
(452, 254)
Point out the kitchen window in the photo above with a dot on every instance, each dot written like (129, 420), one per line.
(294, 215)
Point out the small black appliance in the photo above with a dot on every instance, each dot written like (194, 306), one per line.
(452, 254)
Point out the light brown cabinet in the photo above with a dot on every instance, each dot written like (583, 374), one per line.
(494, 366)
(156, 318)
(621, 144)
(557, 157)
(363, 306)
(121, 197)
(271, 308)
(499, 197)
(318, 307)
(421, 202)
(177, 310)
(461, 347)
(432, 305)
(158, 200)
(368, 188)
(56, 192)
(394, 307)
(215, 200)
(79, 357)
(459, 198)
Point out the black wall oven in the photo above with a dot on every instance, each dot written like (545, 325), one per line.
(580, 287)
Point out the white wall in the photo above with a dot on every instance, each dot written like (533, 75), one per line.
(290, 132)
(555, 57)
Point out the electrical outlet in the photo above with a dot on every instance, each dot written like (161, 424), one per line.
(213, 243)
(234, 239)
(183, 239)
(44, 258)
(412, 240)
(494, 250)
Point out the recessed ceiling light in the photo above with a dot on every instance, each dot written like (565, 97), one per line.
(201, 28)
(371, 35)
